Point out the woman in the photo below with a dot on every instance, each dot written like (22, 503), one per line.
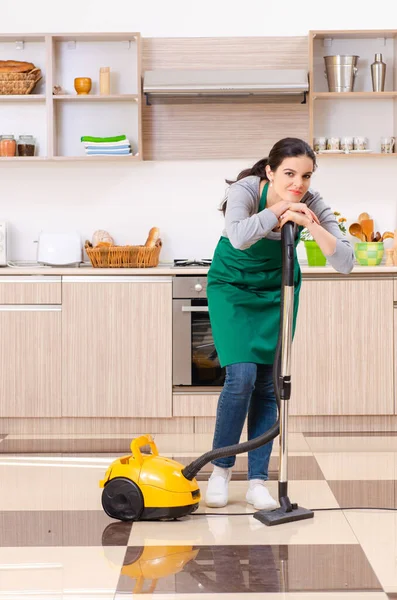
(244, 289)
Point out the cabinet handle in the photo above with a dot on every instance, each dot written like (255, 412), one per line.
(30, 308)
(194, 308)
(30, 279)
(116, 279)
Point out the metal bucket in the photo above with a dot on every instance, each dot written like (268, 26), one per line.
(341, 72)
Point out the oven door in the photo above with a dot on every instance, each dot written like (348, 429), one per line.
(195, 360)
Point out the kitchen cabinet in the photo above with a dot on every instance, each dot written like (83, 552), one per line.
(361, 112)
(30, 354)
(117, 346)
(57, 121)
(395, 346)
(342, 356)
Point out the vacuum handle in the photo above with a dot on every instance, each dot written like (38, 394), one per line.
(288, 233)
(137, 443)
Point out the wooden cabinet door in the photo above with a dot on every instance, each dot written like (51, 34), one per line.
(117, 346)
(30, 360)
(342, 354)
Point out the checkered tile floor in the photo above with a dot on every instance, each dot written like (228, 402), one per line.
(56, 542)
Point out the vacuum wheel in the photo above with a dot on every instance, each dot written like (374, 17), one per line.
(122, 499)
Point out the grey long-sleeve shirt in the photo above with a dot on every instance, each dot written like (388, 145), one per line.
(244, 226)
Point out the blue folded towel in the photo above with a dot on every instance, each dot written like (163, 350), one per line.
(97, 152)
(108, 148)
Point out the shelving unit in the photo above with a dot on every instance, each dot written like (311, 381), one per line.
(362, 112)
(58, 121)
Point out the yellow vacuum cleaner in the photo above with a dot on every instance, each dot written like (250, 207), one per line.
(149, 487)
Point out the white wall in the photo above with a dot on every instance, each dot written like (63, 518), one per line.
(181, 197)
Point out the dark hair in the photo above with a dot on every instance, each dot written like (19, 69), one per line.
(285, 148)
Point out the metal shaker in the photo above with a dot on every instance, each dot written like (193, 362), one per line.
(378, 72)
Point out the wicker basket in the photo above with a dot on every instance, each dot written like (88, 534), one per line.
(19, 83)
(124, 256)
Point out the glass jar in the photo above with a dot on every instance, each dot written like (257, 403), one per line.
(26, 145)
(8, 145)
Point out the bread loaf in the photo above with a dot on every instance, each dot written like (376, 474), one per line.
(15, 66)
(102, 236)
(153, 236)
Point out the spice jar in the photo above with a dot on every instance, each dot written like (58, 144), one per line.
(8, 145)
(26, 145)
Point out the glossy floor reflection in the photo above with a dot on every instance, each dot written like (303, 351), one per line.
(56, 541)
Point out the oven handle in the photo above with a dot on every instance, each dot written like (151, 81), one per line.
(194, 308)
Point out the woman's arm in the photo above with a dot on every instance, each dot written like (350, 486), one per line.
(243, 224)
(327, 234)
(329, 237)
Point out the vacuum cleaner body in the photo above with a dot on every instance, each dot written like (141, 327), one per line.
(147, 486)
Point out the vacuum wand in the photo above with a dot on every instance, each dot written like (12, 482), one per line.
(288, 511)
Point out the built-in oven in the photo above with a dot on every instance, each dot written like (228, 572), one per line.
(195, 360)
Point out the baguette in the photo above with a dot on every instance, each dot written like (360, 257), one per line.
(154, 235)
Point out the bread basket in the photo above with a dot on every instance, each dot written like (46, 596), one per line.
(19, 83)
(131, 257)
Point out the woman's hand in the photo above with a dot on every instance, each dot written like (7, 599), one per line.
(300, 214)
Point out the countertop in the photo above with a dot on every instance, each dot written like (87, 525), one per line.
(167, 270)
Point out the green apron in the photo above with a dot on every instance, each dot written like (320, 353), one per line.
(244, 295)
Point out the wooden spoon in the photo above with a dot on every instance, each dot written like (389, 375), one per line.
(367, 225)
(363, 216)
(356, 230)
(387, 235)
(376, 237)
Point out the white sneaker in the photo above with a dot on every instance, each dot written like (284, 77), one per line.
(259, 496)
(217, 491)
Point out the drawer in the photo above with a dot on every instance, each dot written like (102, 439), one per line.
(194, 405)
(31, 289)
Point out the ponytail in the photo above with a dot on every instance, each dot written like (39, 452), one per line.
(258, 170)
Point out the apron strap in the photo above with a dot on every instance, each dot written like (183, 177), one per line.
(262, 202)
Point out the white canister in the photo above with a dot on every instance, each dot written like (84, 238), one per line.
(346, 144)
(387, 145)
(320, 144)
(360, 143)
(333, 143)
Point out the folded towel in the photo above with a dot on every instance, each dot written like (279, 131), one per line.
(110, 144)
(107, 147)
(108, 152)
(116, 138)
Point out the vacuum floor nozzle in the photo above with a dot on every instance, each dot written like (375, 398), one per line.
(280, 515)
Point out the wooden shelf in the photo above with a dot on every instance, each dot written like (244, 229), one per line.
(351, 155)
(354, 34)
(121, 158)
(22, 98)
(57, 122)
(353, 95)
(23, 158)
(97, 98)
(332, 113)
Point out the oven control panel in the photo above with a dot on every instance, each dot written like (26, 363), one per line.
(189, 286)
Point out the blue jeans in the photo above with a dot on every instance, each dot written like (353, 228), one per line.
(248, 389)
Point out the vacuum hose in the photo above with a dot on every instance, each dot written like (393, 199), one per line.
(288, 263)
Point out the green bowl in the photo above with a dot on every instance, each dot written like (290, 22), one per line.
(369, 254)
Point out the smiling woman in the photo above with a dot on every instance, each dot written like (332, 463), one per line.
(244, 296)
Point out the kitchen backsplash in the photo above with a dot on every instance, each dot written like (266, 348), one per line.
(180, 197)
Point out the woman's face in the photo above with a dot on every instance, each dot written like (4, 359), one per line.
(291, 179)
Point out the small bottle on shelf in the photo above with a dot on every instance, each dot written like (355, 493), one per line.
(104, 81)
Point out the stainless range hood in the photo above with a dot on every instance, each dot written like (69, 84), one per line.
(243, 82)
